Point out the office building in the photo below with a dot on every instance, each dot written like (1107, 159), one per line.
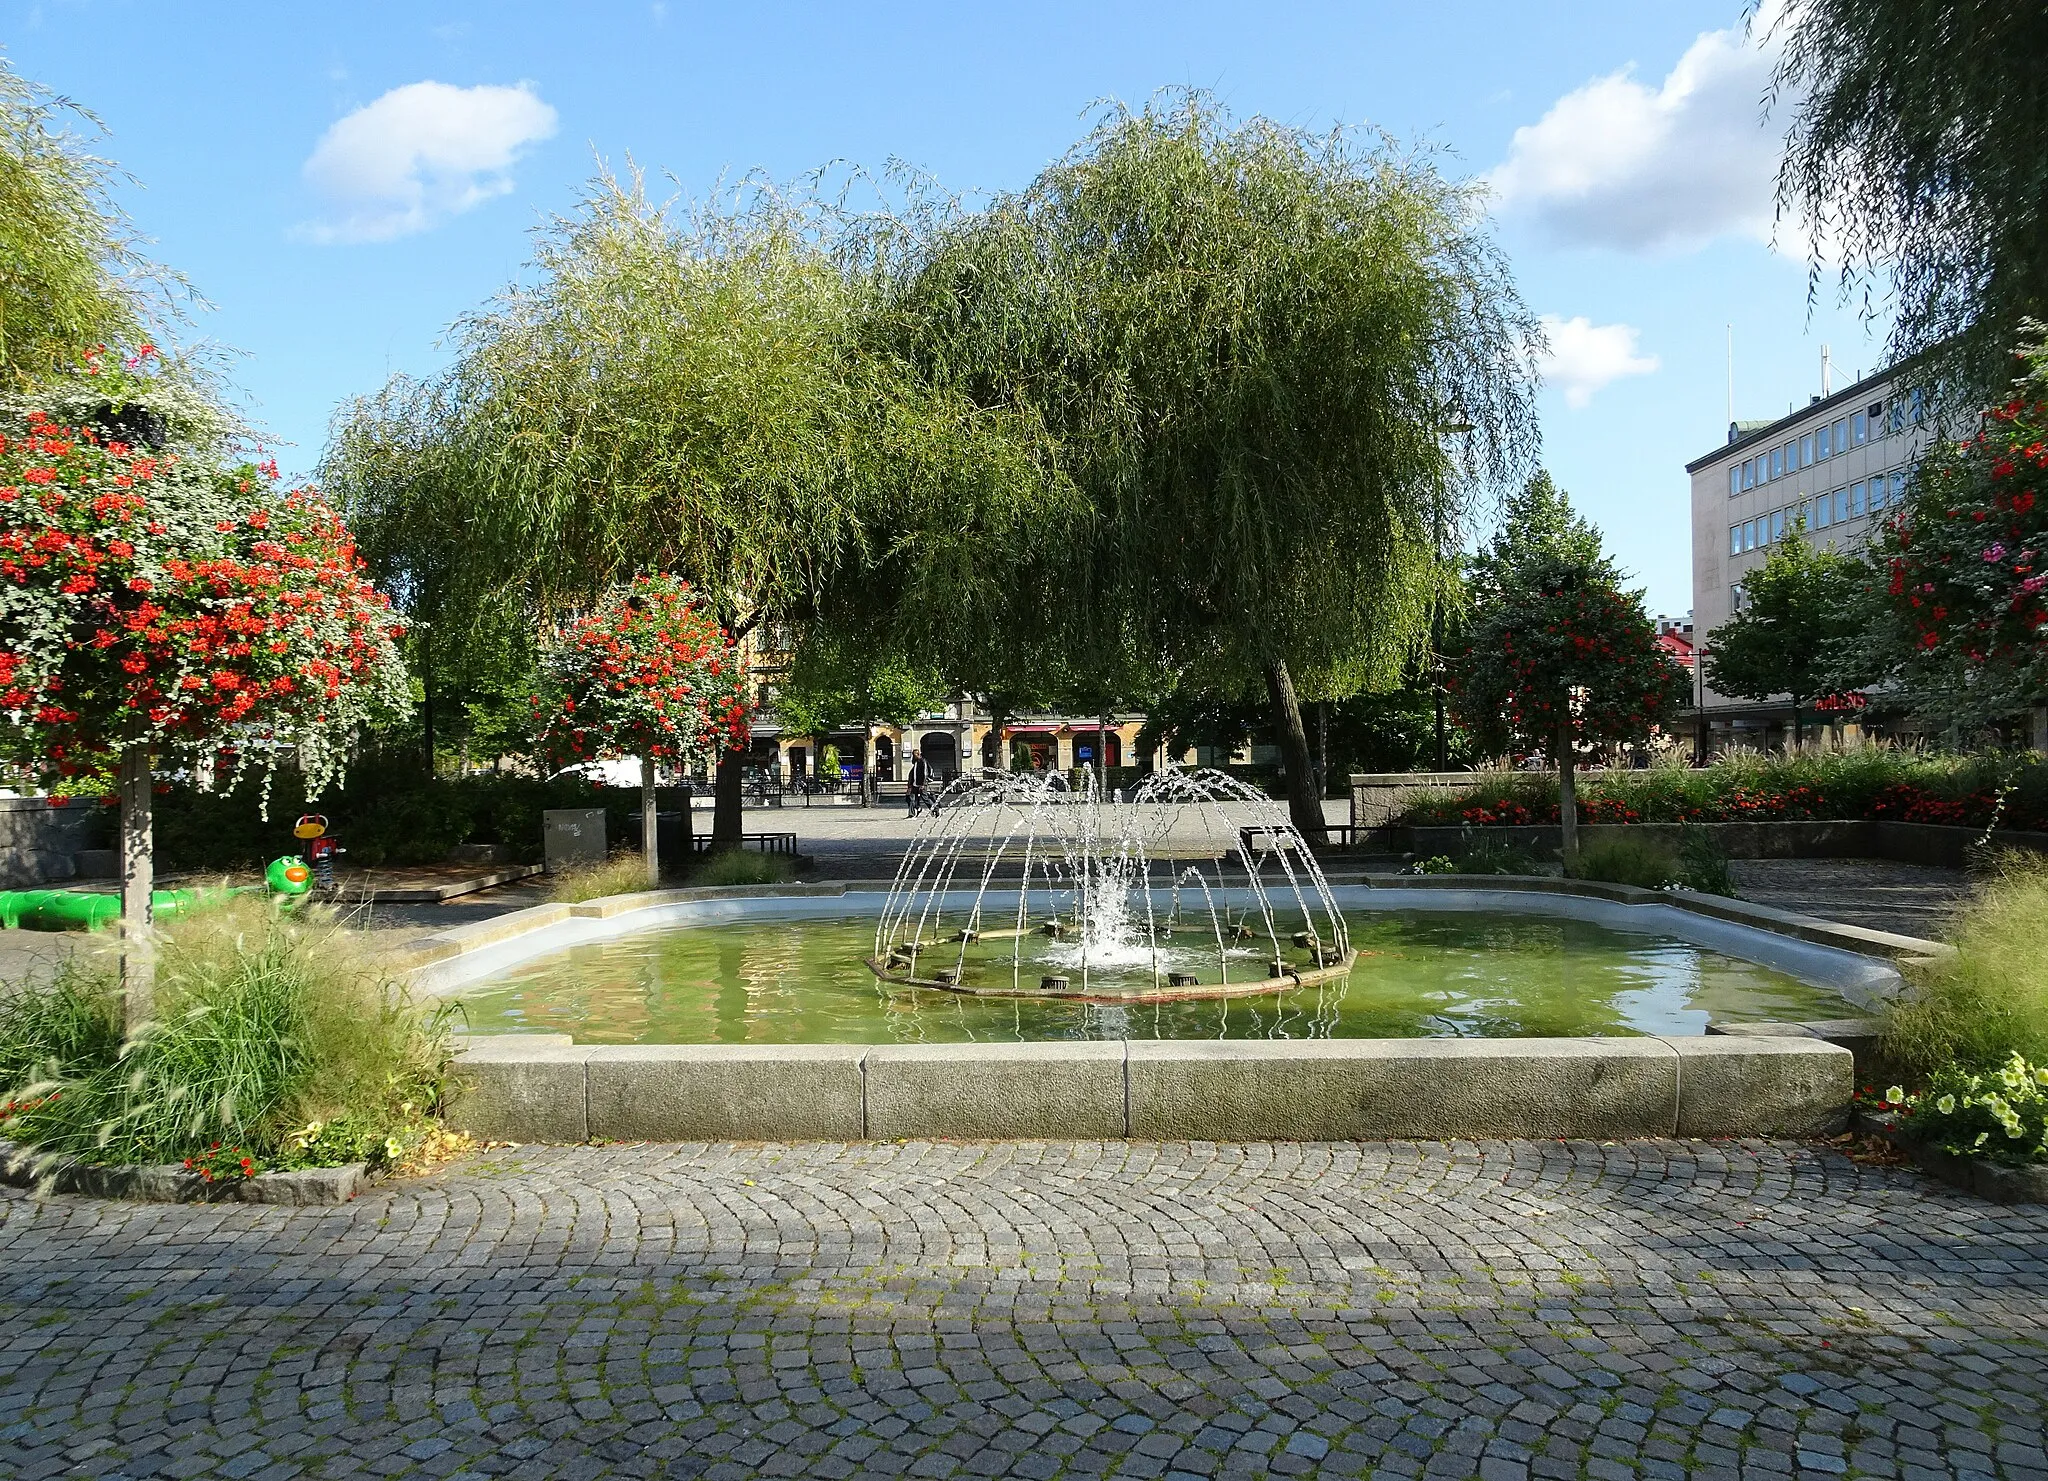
(1840, 464)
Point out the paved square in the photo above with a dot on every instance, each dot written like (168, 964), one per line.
(1039, 1310)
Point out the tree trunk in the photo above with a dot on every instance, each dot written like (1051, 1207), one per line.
(1304, 808)
(1567, 797)
(1322, 749)
(427, 695)
(1102, 756)
(867, 761)
(138, 880)
(650, 830)
(2040, 736)
(726, 824)
(998, 721)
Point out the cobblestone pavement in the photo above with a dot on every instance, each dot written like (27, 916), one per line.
(1496, 1310)
(1912, 899)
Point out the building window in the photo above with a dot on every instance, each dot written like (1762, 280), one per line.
(1823, 445)
(1734, 480)
(1806, 451)
(1777, 462)
(1916, 404)
(1749, 473)
(1778, 525)
(1735, 539)
(1841, 505)
(1859, 430)
(1856, 492)
(1841, 437)
(1736, 597)
(1823, 512)
(1895, 415)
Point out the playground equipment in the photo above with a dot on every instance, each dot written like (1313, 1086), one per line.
(286, 881)
(320, 847)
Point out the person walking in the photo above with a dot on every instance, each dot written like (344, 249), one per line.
(920, 778)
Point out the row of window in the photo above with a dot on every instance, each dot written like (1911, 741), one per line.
(1851, 501)
(1879, 419)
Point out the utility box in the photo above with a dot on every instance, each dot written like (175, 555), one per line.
(572, 836)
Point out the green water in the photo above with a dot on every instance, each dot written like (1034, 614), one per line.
(1419, 974)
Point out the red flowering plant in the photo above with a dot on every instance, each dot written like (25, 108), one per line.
(1961, 571)
(647, 673)
(1559, 658)
(163, 599)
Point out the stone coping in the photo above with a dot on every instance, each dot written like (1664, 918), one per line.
(24, 1167)
(1858, 963)
(548, 1088)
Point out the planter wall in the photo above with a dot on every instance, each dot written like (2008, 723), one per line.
(1906, 843)
(39, 841)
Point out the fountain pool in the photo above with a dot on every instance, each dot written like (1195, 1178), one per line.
(1419, 972)
(1027, 910)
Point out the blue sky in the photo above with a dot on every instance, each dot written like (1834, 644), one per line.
(338, 216)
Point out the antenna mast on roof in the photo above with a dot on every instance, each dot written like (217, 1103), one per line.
(1731, 375)
(1826, 374)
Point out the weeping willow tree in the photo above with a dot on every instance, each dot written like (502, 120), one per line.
(1919, 154)
(692, 390)
(1277, 367)
(72, 273)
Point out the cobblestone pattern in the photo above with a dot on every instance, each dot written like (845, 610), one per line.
(1664, 1309)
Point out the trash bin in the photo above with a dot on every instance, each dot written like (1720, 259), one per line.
(572, 836)
(671, 831)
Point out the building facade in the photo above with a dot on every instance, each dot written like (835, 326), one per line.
(1839, 464)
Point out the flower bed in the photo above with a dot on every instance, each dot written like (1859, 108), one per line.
(1873, 784)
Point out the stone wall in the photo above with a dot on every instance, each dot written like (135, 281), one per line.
(1821, 838)
(40, 841)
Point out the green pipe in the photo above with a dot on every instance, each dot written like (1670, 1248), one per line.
(286, 880)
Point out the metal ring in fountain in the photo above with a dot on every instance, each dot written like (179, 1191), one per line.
(1134, 899)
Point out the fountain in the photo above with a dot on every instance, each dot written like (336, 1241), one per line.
(1194, 887)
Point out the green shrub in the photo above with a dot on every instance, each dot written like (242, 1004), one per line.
(1648, 863)
(742, 866)
(1990, 999)
(2000, 1115)
(265, 1025)
(1482, 855)
(386, 812)
(621, 874)
(1702, 866)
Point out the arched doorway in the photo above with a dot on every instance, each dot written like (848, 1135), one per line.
(940, 753)
(885, 759)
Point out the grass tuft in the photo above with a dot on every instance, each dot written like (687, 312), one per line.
(621, 874)
(1990, 1000)
(266, 1024)
(742, 866)
(1648, 863)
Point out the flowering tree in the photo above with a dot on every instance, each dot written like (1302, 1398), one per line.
(1557, 657)
(646, 674)
(155, 603)
(1962, 570)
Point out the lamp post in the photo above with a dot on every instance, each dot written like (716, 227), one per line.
(1699, 712)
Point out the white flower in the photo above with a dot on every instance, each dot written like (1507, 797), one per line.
(1946, 1105)
(1896, 1096)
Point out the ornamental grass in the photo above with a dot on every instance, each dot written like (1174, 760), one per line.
(621, 874)
(277, 1037)
(734, 866)
(1974, 1010)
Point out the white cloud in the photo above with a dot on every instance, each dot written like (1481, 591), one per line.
(1618, 163)
(419, 155)
(1584, 356)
